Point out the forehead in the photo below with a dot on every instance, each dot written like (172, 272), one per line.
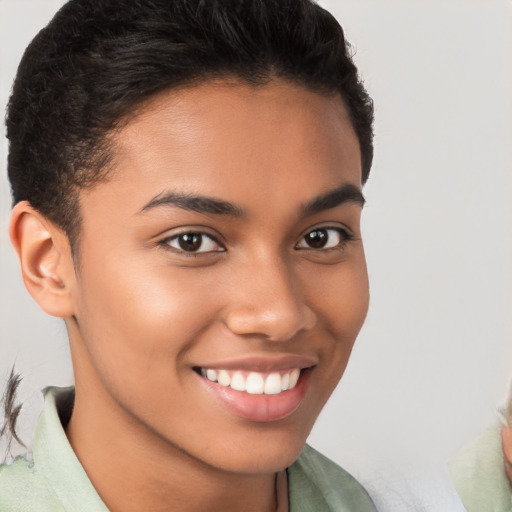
(224, 138)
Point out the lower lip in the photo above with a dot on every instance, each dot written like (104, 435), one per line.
(261, 408)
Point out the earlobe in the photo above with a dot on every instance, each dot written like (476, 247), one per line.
(45, 259)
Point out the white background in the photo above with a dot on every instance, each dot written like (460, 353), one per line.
(435, 356)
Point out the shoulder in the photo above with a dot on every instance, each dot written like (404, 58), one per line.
(317, 484)
(478, 474)
(23, 488)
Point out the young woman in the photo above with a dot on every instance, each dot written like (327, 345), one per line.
(187, 186)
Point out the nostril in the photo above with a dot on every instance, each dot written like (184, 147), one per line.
(269, 301)
(309, 318)
(274, 323)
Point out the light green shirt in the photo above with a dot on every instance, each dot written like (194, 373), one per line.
(56, 482)
(479, 476)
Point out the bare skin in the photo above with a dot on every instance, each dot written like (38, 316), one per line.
(506, 443)
(273, 280)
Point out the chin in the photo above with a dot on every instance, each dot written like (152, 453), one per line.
(264, 454)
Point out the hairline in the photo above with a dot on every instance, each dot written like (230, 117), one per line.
(145, 105)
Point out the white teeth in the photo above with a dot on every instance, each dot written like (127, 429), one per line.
(254, 383)
(212, 375)
(238, 382)
(223, 378)
(294, 377)
(285, 382)
(273, 384)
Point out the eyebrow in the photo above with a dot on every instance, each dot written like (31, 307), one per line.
(195, 203)
(346, 193)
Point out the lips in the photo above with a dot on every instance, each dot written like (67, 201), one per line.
(260, 390)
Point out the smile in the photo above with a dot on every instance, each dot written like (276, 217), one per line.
(260, 389)
(254, 383)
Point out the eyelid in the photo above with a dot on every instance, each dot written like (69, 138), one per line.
(346, 234)
(165, 241)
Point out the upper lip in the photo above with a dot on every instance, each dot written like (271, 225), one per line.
(264, 364)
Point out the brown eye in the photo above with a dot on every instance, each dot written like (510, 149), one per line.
(190, 241)
(317, 239)
(323, 238)
(194, 242)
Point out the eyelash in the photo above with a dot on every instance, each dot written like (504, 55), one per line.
(344, 234)
(166, 242)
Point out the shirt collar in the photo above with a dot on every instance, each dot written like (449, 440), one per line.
(56, 460)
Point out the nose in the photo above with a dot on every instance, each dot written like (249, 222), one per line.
(269, 302)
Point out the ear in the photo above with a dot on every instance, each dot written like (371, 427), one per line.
(45, 258)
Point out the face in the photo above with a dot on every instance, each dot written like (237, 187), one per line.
(222, 277)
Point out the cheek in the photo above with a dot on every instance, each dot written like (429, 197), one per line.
(341, 298)
(140, 319)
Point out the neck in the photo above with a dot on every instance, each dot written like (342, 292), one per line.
(133, 469)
